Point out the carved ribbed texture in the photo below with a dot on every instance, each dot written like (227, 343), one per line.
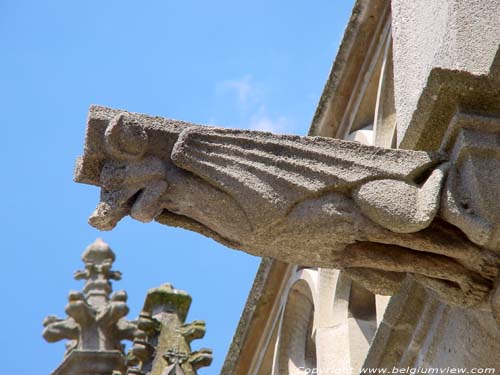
(283, 168)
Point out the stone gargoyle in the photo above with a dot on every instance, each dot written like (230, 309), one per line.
(376, 213)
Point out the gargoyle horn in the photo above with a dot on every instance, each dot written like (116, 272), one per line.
(125, 141)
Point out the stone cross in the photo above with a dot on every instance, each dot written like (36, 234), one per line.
(175, 359)
(175, 356)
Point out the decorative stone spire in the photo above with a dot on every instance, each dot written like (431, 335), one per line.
(96, 326)
(162, 318)
(96, 323)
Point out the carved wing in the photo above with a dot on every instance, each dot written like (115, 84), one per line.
(284, 169)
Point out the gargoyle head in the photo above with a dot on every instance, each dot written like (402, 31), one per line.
(131, 181)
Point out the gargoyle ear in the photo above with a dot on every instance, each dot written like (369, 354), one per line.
(125, 140)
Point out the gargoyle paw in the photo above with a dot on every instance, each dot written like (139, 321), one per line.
(475, 289)
(147, 206)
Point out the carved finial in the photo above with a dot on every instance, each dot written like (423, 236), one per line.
(162, 318)
(96, 321)
(98, 259)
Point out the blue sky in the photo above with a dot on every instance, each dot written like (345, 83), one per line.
(256, 64)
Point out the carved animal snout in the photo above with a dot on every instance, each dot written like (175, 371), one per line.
(130, 188)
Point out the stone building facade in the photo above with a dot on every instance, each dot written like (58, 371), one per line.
(403, 71)
(408, 210)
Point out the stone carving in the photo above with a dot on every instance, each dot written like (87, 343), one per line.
(312, 201)
(96, 326)
(166, 350)
(96, 320)
(96, 323)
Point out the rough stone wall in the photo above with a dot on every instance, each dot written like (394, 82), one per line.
(455, 35)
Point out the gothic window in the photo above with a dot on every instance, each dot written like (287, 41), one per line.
(370, 116)
(296, 346)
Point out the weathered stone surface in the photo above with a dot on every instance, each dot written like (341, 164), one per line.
(305, 200)
(92, 362)
(446, 60)
(446, 55)
(353, 55)
(471, 197)
(420, 332)
(259, 314)
(96, 326)
(96, 323)
(166, 349)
